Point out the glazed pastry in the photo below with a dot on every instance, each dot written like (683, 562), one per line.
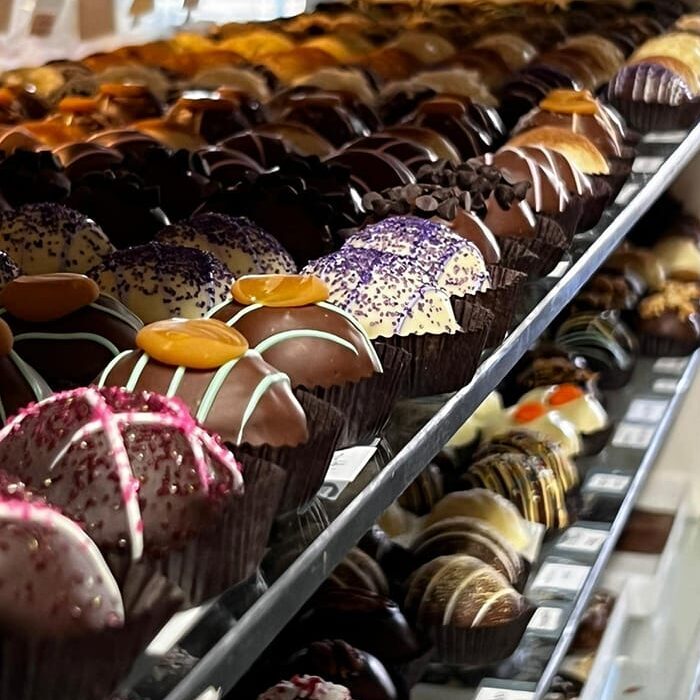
(465, 535)
(424, 491)
(409, 303)
(157, 281)
(306, 688)
(65, 328)
(242, 246)
(287, 319)
(21, 385)
(44, 238)
(486, 506)
(454, 264)
(229, 389)
(679, 256)
(527, 482)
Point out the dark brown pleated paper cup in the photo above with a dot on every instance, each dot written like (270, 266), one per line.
(654, 116)
(501, 300)
(367, 404)
(594, 204)
(89, 667)
(548, 244)
(517, 256)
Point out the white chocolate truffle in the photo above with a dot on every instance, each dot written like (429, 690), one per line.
(581, 409)
(679, 256)
(491, 407)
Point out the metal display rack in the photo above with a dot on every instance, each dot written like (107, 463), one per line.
(233, 648)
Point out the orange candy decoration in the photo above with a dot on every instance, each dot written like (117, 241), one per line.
(564, 394)
(527, 412)
(570, 102)
(279, 290)
(193, 343)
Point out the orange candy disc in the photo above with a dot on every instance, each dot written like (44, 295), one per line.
(570, 102)
(279, 290)
(527, 412)
(565, 393)
(193, 343)
(39, 298)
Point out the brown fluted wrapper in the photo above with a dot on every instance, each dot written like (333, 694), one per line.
(479, 646)
(92, 666)
(548, 244)
(664, 346)
(654, 116)
(620, 169)
(516, 255)
(305, 465)
(501, 300)
(445, 362)
(367, 404)
(570, 218)
(594, 204)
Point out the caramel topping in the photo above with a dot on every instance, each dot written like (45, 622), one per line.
(5, 339)
(529, 411)
(280, 290)
(564, 394)
(193, 343)
(123, 89)
(77, 105)
(679, 297)
(39, 298)
(570, 102)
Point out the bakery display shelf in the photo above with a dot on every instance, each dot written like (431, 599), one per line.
(376, 481)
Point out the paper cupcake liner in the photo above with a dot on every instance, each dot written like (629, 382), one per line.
(662, 346)
(654, 116)
(479, 646)
(305, 465)
(620, 169)
(92, 666)
(367, 404)
(593, 443)
(215, 561)
(525, 569)
(500, 300)
(515, 255)
(445, 362)
(594, 204)
(570, 218)
(548, 244)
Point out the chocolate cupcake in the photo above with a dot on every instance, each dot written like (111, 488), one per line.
(64, 327)
(45, 238)
(668, 321)
(157, 281)
(467, 609)
(242, 246)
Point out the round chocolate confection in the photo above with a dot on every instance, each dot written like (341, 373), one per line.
(265, 149)
(20, 383)
(28, 177)
(373, 170)
(524, 480)
(424, 491)
(82, 113)
(227, 167)
(300, 139)
(465, 535)
(242, 246)
(306, 688)
(287, 320)
(134, 469)
(358, 570)
(236, 395)
(336, 661)
(578, 66)
(638, 262)
(8, 269)
(366, 620)
(11, 110)
(64, 327)
(57, 582)
(182, 178)
(411, 153)
(462, 592)
(398, 100)
(127, 210)
(487, 62)
(125, 104)
(126, 141)
(48, 237)
(80, 159)
(157, 281)
(606, 291)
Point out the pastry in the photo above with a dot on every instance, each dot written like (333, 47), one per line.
(306, 688)
(679, 256)
(157, 281)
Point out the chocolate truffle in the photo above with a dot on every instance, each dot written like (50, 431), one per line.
(424, 491)
(230, 390)
(373, 170)
(267, 150)
(679, 256)
(358, 570)
(44, 238)
(158, 281)
(123, 103)
(241, 245)
(28, 177)
(64, 327)
(80, 159)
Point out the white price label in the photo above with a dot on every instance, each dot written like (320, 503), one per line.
(345, 467)
(546, 619)
(646, 164)
(582, 539)
(561, 577)
(665, 136)
(95, 18)
(646, 410)
(209, 694)
(670, 365)
(610, 483)
(626, 193)
(665, 385)
(633, 435)
(44, 17)
(487, 693)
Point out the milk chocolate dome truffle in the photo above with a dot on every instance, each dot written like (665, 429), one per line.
(63, 325)
(241, 245)
(47, 237)
(157, 281)
(28, 177)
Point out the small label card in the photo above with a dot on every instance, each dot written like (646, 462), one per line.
(646, 164)
(628, 191)
(44, 17)
(582, 539)
(665, 136)
(558, 577)
(345, 467)
(646, 410)
(492, 692)
(608, 483)
(209, 694)
(665, 385)
(633, 435)
(546, 620)
(670, 365)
